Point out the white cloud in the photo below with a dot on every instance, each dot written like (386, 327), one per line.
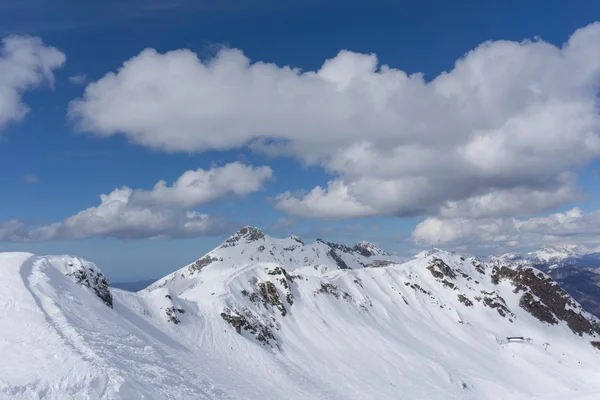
(331, 203)
(509, 119)
(195, 188)
(30, 178)
(573, 226)
(12, 230)
(78, 79)
(164, 211)
(25, 63)
(511, 201)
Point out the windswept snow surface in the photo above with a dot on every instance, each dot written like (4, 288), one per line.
(431, 328)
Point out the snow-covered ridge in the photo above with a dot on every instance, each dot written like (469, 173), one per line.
(555, 254)
(265, 318)
(251, 245)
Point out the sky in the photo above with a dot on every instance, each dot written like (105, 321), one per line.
(141, 134)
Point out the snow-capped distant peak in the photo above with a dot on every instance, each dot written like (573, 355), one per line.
(247, 234)
(368, 249)
(557, 253)
(427, 253)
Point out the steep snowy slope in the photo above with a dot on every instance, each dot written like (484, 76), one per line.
(294, 325)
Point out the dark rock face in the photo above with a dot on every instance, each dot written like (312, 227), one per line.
(465, 300)
(497, 302)
(546, 300)
(440, 269)
(328, 288)
(297, 239)
(367, 249)
(247, 233)
(96, 281)
(338, 260)
(172, 314)
(201, 263)
(583, 284)
(247, 322)
(363, 250)
(268, 295)
(380, 263)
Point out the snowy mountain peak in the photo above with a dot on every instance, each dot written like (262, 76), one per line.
(368, 249)
(557, 253)
(250, 245)
(427, 253)
(247, 234)
(297, 239)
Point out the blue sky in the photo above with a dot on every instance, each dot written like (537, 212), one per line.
(54, 167)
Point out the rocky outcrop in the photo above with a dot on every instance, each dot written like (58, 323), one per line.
(247, 322)
(546, 300)
(95, 280)
(198, 265)
(367, 249)
(247, 234)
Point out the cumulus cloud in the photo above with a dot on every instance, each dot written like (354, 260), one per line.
(573, 226)
(25, 64)
(164, 211)
(12, 230)
(334, 202)
(194, 188)
(510, 119)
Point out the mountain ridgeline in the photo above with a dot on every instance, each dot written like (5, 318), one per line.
(266, 318)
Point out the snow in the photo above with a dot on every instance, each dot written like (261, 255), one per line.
(557, 253)
(386, 332)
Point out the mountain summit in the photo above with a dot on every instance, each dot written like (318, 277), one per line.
(266, 318)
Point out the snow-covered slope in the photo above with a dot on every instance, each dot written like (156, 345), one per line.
(237, 327)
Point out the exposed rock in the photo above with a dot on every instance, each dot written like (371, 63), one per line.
(417, 287)
(95, 280)
(297, 239)
(465, 300)
(338, 260)
(440, 269)
(380, 263)
(367, 249)
(270, 296)
(544, 299)
(334, 290)
(249, 323)
(172, 316)
(247, 234)
(198, 265)
(495, 301)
